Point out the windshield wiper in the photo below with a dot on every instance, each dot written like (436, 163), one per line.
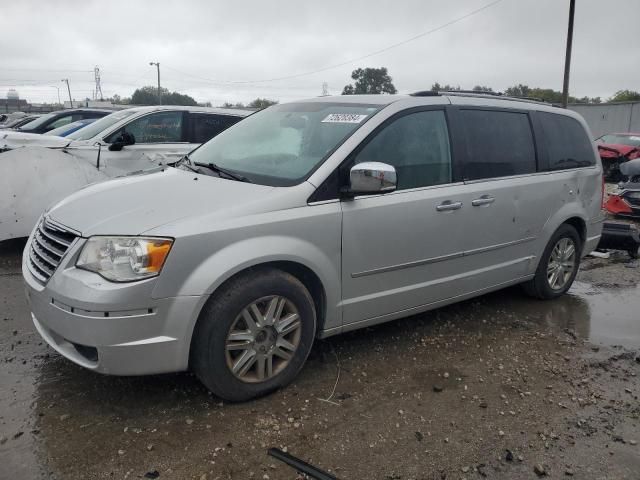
(188, 164)
(223, 171)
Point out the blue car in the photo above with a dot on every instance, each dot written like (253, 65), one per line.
(69, 128)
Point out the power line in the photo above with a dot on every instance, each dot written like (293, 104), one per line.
(352, 60)
(45, 70)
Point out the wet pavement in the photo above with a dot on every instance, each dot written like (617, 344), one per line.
(494, 387)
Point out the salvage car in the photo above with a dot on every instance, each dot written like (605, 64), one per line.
(624, 201)
(309, 219)
(52, 120)
(10, 117)
(69, 128)
(615, 149)
(18, 122)
(11, 139)
(131, 140)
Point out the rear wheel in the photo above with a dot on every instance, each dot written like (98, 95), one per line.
(558, 265)
(254, 335)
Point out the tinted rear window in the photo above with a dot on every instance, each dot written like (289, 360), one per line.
(567, 142)
(206, 126)
(498, 144)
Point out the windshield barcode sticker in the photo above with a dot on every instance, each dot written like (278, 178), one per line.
(344, 118)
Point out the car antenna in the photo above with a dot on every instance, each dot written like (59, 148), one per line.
(99, 150)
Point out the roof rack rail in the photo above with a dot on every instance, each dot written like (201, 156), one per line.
(494, 95)
(471, 92)
(474, 93)
(425, 93)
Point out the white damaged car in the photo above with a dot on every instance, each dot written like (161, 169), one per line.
(132, 140)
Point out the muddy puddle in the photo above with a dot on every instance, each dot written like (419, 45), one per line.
(601, 315)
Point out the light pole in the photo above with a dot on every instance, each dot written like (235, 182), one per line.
(157, 64)
(58, 89)
(567, 58)
(66, 80)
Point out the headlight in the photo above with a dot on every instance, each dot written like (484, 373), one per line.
(124, 259)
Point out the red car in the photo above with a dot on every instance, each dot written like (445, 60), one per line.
(616, 148)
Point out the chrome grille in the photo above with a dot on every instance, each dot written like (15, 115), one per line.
(49, 244)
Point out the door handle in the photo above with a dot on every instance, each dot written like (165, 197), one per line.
(449, 205)
(484, 200)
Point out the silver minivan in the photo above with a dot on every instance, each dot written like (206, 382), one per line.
(309, 219)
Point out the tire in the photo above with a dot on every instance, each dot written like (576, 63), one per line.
(231, 334)
(540, 285)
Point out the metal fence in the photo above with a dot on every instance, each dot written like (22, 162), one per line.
(610, 117)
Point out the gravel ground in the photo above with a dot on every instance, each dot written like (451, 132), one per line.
(500, 387)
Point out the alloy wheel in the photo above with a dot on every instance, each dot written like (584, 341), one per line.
(263, 339)
(562, 263)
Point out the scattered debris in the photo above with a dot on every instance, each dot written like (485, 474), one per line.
(540, 470)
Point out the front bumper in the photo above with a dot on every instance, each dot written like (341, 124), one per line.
(112, 328)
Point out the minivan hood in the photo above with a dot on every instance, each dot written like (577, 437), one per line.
(135, 204)
(11, 139)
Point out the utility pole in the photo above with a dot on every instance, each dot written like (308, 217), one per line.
(567, 57)
(66, 80)
(58, 89)
(157, 64)
(325, 89)
(98, 91)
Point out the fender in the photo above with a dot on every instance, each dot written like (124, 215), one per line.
(238, 256)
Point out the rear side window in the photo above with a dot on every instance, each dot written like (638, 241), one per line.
(568, 145)
(91, 115)
(498, 144)
(205, 126)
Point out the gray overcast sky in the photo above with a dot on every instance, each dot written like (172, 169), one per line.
(201, 45)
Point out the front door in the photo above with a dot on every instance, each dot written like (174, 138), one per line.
(160, 138)
(403, 250)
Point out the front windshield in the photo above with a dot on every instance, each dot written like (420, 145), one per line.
(281, 145)
(38, 121)
(100, 126)
(631, 140)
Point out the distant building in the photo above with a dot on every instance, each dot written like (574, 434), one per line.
(8, 105)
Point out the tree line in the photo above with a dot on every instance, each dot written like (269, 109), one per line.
(371, 81)
(148, 95)
(378, 81)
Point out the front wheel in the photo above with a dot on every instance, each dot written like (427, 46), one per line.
(558, 265)
(254, 335)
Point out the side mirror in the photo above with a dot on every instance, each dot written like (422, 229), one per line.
(124, 139)
(372, 177)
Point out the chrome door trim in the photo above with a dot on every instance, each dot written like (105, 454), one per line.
(401, 266)
(441, 258)
(498, 246)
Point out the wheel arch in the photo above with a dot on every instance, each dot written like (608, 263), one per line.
(580, 225)
(301, 272)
